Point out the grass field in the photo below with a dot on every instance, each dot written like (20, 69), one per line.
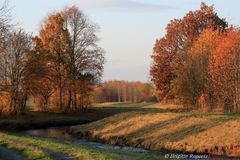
(154, 127)
(150, 126)
(46, 149)
(39, 148)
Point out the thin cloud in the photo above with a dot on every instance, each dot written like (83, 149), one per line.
(127, 5)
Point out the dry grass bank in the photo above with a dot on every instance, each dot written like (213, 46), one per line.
(211, 133)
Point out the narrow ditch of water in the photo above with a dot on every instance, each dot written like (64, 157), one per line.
(60, 133)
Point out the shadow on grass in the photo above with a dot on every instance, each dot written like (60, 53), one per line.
(111, 120)
(37, 120)
(192, 130)
(154, 127)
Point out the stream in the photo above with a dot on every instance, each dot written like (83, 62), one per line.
(60, 133)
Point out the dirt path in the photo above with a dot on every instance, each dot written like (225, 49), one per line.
(9, 154)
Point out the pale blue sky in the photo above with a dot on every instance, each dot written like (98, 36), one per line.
(129, 28)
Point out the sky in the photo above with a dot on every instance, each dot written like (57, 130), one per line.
(128, 28)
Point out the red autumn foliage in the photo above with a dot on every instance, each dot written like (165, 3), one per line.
(180, 35)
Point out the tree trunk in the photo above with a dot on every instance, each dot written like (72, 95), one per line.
(75, 99)
(69, 105)
(60, 98)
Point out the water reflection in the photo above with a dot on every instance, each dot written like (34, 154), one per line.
(61, 134)
(57, 133)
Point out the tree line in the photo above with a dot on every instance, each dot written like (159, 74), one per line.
(197, 62)
(57, 68)
(125, 91)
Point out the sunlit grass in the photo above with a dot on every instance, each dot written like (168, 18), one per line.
(184, 132)
(32, 148)
(122, 105)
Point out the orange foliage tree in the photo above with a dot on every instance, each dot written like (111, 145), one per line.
(55, 43)
(225, 70)
(71, 60)
(172, 51)
(199, 81)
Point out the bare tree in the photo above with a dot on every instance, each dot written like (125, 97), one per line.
(13, 64)
(86, 57)
(5, 18)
